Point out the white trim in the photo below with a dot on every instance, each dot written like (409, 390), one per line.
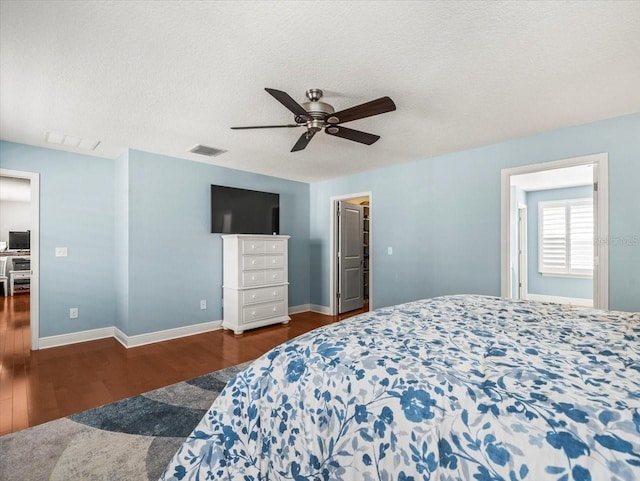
(522, 249)
(566, 276)
(120, 336)
(165, 335)
(601, 201)
(321, 309)
(75, 337)
(128, 341)
(601, 232)
(333, 307)
(299, 309)
(34, 286)
(573, 301)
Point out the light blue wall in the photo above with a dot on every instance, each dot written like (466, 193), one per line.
(174, 260)
(77, 212)
(141, 255)
(121, 235)
(429, 214)
(547, 285)
(442, 215)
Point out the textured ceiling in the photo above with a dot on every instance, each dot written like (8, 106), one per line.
(162, 76)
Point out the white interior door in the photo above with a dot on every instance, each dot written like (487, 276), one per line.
(350, 257)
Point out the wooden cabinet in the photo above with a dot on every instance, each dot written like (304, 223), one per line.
(255, 281)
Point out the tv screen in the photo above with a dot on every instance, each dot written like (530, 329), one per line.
(242, 211)
(20, 240)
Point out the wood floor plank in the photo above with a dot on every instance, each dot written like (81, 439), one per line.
(39, 386)
(6, 416)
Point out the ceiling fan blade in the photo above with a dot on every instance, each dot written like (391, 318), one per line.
(368, 109)
(268, 127)
(304, 140)
(285, 99)
(350, 134)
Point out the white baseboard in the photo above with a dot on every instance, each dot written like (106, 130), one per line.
(573, 301)
(127, 341)
(321, 309)
(74, 337)
(149, 338)
(166, 335)
(299, 309)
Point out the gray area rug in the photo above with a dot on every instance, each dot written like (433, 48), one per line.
(133, 439)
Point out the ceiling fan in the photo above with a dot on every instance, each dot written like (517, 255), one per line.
(316, 115)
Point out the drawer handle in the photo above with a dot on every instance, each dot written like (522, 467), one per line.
(253, 263)
(274, 276)
(253, 296)
(273, 261)
(275, 293)
(253, 278)
(253, 313)
(274, 309)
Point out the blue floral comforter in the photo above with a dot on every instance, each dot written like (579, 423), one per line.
(451, 388)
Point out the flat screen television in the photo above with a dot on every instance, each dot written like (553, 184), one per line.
(242, 211)
(20, 240)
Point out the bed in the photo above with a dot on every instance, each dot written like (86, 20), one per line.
(450, 388)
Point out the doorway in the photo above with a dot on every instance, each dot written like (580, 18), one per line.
(569, 255)
(33, 179)
(351, 266)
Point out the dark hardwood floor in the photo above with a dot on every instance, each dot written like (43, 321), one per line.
(39, 386)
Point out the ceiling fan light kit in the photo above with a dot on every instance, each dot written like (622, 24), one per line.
(316, 115)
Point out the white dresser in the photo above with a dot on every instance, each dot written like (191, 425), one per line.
(254, 281)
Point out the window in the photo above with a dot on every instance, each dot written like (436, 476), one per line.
(565, 237)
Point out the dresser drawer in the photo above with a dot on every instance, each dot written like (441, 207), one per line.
(257, 278)
(274, 261)
(253, 262)
(275, 245)
(263, 311)
(249, 246)
(253, 278)
(274, 276)
(267, 294)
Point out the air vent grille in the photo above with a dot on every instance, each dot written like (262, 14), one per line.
(204, 150)
(70, 140)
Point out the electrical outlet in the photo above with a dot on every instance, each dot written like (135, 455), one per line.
(73, 313)
(389, 251)
(61, 252)
(203, 304)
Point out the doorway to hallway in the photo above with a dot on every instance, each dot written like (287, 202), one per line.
(351, 247)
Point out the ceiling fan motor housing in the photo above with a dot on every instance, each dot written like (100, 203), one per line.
(316, 115)
(317, 110)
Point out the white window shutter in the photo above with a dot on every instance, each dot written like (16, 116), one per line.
(554, 239)
(565, 237)
(581, 234)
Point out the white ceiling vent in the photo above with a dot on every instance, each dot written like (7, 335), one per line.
(70, 140)
(204, 150)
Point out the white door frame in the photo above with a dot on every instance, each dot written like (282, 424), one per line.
(34, 256)
(333, 250)
(523, 254)
(600, 164)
